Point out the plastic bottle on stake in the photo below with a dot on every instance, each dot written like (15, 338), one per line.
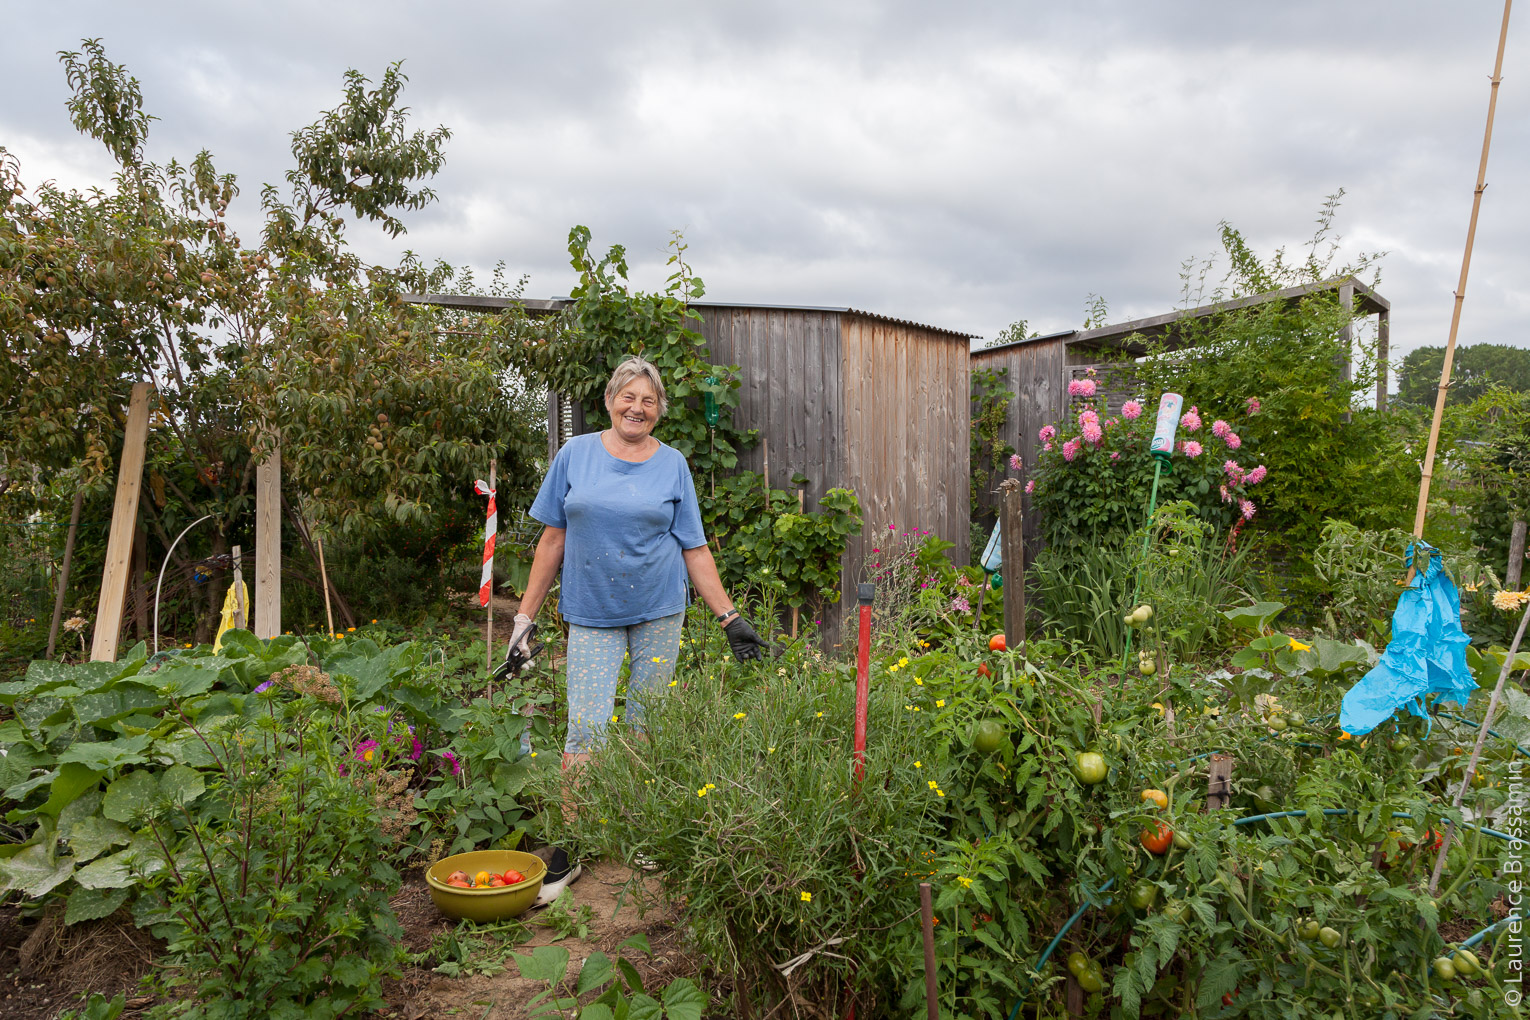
(1169, 409)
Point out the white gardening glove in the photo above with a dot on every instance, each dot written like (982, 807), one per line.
(520, 634)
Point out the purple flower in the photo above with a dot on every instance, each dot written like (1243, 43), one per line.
(367, 751)
(456, 765)
(417, 750)
(265, 687)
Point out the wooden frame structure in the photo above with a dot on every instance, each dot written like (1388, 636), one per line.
(1040, 367)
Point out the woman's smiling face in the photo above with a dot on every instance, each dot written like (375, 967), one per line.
(634, 410)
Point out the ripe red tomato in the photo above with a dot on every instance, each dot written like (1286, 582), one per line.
(1157, 841)
(983, 669)
(996, 643)
(513, 877)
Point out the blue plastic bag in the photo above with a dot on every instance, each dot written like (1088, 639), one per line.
(1426, 655)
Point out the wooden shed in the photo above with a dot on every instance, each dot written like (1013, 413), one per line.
(1039, 368)
(848, 398)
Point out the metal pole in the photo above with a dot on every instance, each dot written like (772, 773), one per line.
(865, 594)
(161, 582)
(1147, 538)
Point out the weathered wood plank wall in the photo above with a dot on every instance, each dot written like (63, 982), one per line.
(907, 417)
(1037, 379)
(792, 391)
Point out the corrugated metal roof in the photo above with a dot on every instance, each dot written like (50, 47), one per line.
(478, 303)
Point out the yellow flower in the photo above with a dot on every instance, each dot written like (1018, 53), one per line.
(533, 754)
(918, 764)
(374, 621)
(903, 661)
(918, 681)
(893, 668)
(367, 754)
(933, 784)
(602, 821)
(908, 708)
(940, 702)
(701, 792)
(673, 682)
(1510, 600)
(349, 629)
(1297, 646)
(1343, 736)
(655, 659)
(940, 793)
(711, 786)
(918, 709)
(805, 897)
(965, 881)
(738, 715)
(770, 750)
(781, 671)
(819, 716)
(613, 718)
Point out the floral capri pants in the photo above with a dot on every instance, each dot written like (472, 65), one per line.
(595, 657)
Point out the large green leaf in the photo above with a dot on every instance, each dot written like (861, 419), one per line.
(35, 870)
(546, 964)
(683, 1000)
(1254, 617)
(108, 754)
(181, 785)
(645, 1007)
(90, 904)
(122, 699)
(186, 748)
(372, 673)
(17, 763)
(73, 780)
(183, 680)
(596, 970)
(113, 872)
(131, 797)
(89, 833)
(19, 791)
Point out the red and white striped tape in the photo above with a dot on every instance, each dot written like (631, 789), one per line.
(490, 528)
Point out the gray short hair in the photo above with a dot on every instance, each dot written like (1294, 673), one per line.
(635, 368)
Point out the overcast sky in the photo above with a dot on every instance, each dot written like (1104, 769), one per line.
(964, 165)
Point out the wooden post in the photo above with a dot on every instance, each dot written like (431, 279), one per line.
(927, 922)
(1075, 1004)
(268, 546)
(1219, 782)
(329, 617)
(1466, 264)
(239, 606)
(765, 451)
(1514, 569)
(1383, 343)
(63, 571)
(1012, 538)
(119, 544)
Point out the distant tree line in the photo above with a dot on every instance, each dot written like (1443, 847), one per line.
(1475, 370)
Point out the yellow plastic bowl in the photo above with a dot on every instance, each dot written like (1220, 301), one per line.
(491, 904)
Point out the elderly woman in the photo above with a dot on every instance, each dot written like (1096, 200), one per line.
(623, 533)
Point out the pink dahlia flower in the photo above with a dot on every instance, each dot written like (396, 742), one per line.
(1131, 410)
(1220, 428)
(1093, 433)
(1246, 508)
(1070, 449)
(1256, 476)
(1014, 462)
(1030, 486)
(1192, 449)
(1233, 471)
(1232, 440)
(1190, 420)
(1081, 387)
(1047, 433)
(1253, 405)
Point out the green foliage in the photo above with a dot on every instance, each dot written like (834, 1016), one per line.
(774, 547)
(1329, 456)
(603, 989)
(1103, 491)
(1475, 369)
(1186, 574)
(271, 892)
(990, 412)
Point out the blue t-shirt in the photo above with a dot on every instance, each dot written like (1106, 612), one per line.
(626, 526)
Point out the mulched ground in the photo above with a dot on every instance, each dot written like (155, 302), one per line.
(46, 967)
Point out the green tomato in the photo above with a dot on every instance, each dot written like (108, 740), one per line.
(1265, 798)
(1147, 667)
(1078, 964)
(1093, 979)
(1444, 969)
(1181, 840)
(1309, 930)
(1176, 911)
(1144, 895)
(1331, 938)
(1466, 962)
(1279, 724)
(1402, 742)
(988, 737)
(1143, 613)
(1090, 768)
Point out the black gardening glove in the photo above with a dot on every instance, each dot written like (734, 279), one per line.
(746, 644)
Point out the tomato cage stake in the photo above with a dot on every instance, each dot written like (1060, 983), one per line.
(864, 593)
(1161, 448)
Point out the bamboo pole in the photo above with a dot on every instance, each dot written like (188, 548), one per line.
(329, 616)
(1466, 263)
(63, 571)
(488, 636)
(1434, 435)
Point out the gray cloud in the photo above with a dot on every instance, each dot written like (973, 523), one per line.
(965, 165)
